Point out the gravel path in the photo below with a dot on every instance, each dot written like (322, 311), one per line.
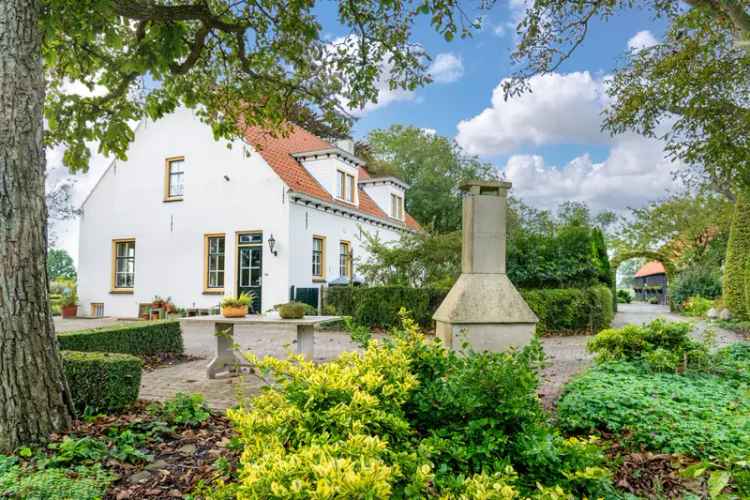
(568, 356)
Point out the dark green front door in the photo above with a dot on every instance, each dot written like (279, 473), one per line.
(250, 266)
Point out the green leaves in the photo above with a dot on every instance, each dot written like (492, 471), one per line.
(112, 63)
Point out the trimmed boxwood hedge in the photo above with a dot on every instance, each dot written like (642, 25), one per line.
(102, 381)
(560, 310)
(138, 338)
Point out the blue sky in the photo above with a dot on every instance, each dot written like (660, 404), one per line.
(547, 143)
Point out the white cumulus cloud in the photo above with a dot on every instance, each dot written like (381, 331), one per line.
(561, 108)
(635, 172)
(446, 68)
(642, 40)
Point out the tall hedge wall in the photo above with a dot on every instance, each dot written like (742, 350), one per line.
(560, 311)
(736, 284)
(137, 338)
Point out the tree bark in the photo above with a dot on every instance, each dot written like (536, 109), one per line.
(34, 397)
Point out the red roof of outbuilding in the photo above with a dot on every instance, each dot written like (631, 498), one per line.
(651, 268)
(277, 151)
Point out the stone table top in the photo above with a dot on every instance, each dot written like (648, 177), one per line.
(262, 319)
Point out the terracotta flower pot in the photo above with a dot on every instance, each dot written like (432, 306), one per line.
(234, 312)
(69, 311)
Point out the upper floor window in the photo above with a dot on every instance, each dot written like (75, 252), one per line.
(213, 278)
(123, 265)
(318, 256)
(397, 207)
(173, 179)
(345, 259)
(345, 186)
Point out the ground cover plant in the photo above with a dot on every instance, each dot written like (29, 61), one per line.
(406, 418)
(669, 400)
(152, 450)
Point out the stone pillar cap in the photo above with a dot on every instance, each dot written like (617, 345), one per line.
(467, 186)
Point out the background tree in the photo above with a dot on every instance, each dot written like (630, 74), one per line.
(237, 63)
(60, 264)
(60, 208)
(691, 228)
(690, 89)
(434, 166)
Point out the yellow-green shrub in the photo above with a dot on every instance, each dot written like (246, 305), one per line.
(359, 427)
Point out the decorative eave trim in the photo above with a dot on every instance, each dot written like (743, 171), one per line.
(395, 181)
(339, 153)
(334, 208)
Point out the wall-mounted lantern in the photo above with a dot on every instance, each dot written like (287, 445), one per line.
(272, 245)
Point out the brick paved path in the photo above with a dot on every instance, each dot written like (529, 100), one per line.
(567, 356)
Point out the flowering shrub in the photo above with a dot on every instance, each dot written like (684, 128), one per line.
(408, 419)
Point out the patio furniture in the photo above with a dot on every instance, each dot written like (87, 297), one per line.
(226, 359)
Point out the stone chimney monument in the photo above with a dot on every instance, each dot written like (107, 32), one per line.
(484, 308)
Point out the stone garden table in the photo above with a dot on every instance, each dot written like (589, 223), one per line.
(227, 359)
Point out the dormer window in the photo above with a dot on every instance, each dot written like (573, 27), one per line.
(397, 207)
(345, 186)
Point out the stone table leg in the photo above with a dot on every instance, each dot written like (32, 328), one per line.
(306, 341)
(226, 358)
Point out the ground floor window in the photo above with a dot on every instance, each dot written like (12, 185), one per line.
(345, 259)
(214, 269)
(318, 257)
(97, 309)
(123, 265)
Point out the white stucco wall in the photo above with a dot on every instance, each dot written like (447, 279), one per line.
(128, 202)
(381, 194)
(307, 221)
(324, 171)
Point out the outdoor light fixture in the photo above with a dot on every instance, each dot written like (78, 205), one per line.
(226, 177)
(272, 245)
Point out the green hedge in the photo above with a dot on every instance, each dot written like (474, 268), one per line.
(560, 310)
(379, 306)
(138, 338)
(571, 310)
(102, 381)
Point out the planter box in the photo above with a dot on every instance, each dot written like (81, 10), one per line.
(234, 312)
(69, 311)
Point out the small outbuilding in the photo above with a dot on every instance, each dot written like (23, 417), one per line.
(650, 283)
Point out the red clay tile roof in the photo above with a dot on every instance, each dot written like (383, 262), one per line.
(277, 151)
(651, 268)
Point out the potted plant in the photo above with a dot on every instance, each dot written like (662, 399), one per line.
(292, 310)
(69, 303)
(235, 307)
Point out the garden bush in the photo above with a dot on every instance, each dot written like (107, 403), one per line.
(564, 310)
(408, 419)
(661, 345)
(696, 307)
(624, 297)
(101, 381)
(137, 338)
(698, 281)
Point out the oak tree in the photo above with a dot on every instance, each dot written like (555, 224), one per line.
(237, 63)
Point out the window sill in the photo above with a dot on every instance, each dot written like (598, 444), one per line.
(213, 291)
(170, 200)
(318, 279)
(122, 291)
(344, 200)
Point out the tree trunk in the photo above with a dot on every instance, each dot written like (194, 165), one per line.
(34, 397)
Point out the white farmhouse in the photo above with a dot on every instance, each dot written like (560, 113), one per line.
(190, 218)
